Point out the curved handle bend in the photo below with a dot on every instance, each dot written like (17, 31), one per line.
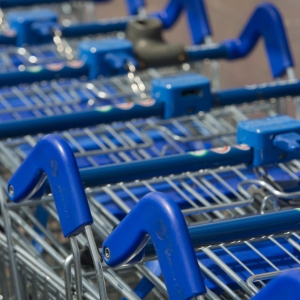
(196, 14)
(53, 157)
(133, 6)
(265, 22)
(158, 217)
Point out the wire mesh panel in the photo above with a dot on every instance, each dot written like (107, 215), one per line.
(142, 139)
(204, 197)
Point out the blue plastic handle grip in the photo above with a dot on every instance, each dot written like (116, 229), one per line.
(133, 6)
(48, 72)
(53, 157)
(197, 17)
(289, 142)
(159, 217)
(198, 20)
(13, 3)
(265, 22)
(161, 166)
(251, 93)
(284, 286)
(96, 116)
(8, 37)
(240, 229)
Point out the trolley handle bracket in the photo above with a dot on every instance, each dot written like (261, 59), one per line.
(273, 139)
(53, 157)
(196, 14)
(284, 286)
(158, 217)
(289, 142)
(265, 22)
(133, 6)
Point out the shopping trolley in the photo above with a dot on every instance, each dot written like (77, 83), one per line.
(75, 217)
(44, 28)
(183, 102)
(118, 56)
(225, 267)
(68, 11)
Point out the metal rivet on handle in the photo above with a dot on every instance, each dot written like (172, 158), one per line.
(11, 190)
(107, 253)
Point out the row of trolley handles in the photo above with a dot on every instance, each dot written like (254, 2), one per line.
(157, 224)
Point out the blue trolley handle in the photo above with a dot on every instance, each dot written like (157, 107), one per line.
(134, 6)
(285, 286)
(158, 217)
(13, 3)
(242, 229)
(265, 22)
(196, 13)
(53, 157)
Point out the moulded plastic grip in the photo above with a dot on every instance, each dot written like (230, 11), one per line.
(118, 61)
(133, 6)
(289, 142)
(265, 22)
(285, 286)
(53, 157)
(198, 20)
(197, 17)
(158, 217)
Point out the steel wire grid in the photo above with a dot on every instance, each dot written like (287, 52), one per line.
(229, 268)
(204, 196)
(141, 139)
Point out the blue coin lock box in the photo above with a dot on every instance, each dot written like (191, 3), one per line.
(273, 139)
(183, 95)
(106, 57)
(23, 23)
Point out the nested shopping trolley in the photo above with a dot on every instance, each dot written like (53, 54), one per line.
(69, 11)
(142, 48)
(181, 116)
(41, 29)
(64, 97)
(237, 256)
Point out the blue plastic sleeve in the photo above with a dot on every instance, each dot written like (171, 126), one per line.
(169, 14)
(133, 6)
(160, 218)
(53, 157)
(240, 229)
(13, 3)
(198, 20)
(284, 286)
(256, 92)
(104, 114)
(105, 26)
(196, 14)
(214, 51)
(47, 72)
(191, 161)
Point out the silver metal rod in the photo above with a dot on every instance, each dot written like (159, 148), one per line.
(97, 262)
(68, 276)
(77, 266)
(13, 265)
